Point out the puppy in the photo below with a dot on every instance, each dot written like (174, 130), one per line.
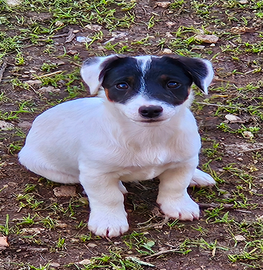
(140, 127)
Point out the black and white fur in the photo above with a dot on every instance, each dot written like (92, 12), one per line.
(140, 127)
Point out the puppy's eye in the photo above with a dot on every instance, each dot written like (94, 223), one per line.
(173, 84)
(122, 86)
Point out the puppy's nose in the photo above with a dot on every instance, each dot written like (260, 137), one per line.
(151, 111)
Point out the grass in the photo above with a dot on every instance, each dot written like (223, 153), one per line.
(31, 44)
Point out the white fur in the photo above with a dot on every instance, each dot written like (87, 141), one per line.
(100, 143)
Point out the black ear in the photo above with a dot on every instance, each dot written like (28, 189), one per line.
(91, 70)
(201, 70)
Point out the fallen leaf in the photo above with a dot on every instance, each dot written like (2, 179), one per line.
(207, 38)
(5, 125)
(3, 242)
(162, 4)
(48, 89)
(233, 118)
(32, 231)
(93, 27)
(70, 36)
(25, 124)
(85, 261)
(54, 265)
(248, 135)
(33, 82)
(240, 30)
(91, 245)
(65, 191)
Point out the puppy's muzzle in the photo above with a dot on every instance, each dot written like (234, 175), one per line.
(150, 113)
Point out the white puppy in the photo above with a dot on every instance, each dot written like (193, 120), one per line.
(140, 128)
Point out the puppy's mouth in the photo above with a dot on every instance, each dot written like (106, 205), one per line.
(151, 121)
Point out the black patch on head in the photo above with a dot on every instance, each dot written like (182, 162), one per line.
(167, 81)
(194, 66)
(120, 72)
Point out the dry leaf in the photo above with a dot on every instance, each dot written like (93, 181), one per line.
(239, 238)
(65, 191)
(162, 4)
(207, 38)
(233, 118)
(85, 261)
(3, 242)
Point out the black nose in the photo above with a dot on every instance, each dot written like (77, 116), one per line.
(151, 111)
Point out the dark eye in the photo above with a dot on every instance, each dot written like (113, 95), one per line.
(122, 86)
(173, 84)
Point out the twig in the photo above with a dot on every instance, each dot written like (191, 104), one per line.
(250, 150)
(2, 70)
(50, 74)
(214, 205)
(162, 253)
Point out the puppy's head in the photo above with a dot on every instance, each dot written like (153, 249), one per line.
(147, 89)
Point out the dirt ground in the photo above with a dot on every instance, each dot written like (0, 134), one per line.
(40, 56)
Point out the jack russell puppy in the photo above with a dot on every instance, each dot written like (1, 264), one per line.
(138, 128)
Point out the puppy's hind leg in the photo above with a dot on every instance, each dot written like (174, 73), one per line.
(201, 179)
(39, 165)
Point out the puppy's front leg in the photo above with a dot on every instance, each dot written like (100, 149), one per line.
(108, 217)
(173, 198)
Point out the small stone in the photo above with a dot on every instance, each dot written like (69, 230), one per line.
(72, 52)
(65, 191)
(248, 135)
(54, 265)
(198, 47)
(168, 34)
(74, 240)
(13, 3)
(59, 23)
(85, 261)
(93, 27)
(83, 39)
(170, 24)
(243, 2)
(207, 38)
(61, 225)
(167, 51)
(239, 238)
(91, 245)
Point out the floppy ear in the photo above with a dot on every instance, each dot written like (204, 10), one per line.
(201, 70)
(91, 70)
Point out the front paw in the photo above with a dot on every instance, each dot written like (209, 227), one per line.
(108, 224)
(183, 208)
(202, 179)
